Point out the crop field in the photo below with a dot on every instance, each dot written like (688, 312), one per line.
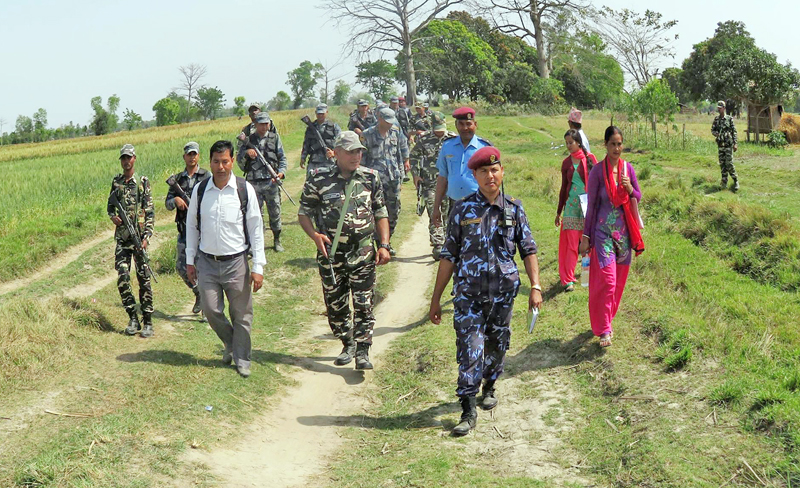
(701, 387)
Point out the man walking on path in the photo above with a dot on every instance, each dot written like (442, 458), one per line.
(186, 180)
(223, 222)
(486, 228)
(727, 143)
(346, 201)
(135, 197)
(317, 154)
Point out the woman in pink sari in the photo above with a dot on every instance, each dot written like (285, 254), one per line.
(569, 216)
(611, 233)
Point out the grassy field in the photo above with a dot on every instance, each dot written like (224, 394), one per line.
(701, 387)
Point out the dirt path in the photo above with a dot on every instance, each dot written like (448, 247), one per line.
(284, 446)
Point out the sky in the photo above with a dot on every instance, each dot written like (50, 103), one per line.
(59, 54)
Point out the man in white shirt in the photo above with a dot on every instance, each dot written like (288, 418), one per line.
(575, 121)
(216, 253)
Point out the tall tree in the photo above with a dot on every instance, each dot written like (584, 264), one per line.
(167, 111)
(112, 106)
(656, 102)
(281, 101)
(131, 119)
(24, 127)
(100, 120)
(302, 81)
(377, 77)
(528, 19)
(340, 93)
(192, 74)
(674, 78)
(387, 26)
(639, 42)
(209, 101)
(238, 106)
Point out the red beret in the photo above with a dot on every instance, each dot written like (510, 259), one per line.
(401, 99)
(485, 156)
(464, 113)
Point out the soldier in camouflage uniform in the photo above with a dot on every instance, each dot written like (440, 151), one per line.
(252, 111)
(186, 179)
(134, 194)
(350, 267)
(362, 118)
(486, 228)
(271, 147)
(401, 114)
(423, 168)
(387, 153)
(727, 143)
(420, 122)
(316, 154)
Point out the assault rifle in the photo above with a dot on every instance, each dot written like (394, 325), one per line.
(139, 252)
(173, 183)
(307, 120)
(270, 169)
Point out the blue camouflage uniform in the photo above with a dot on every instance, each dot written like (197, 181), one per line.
(386, 155)
(485, 282)
(452, 164)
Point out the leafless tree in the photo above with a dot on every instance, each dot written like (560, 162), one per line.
(387, 26)
(528, 19)
(192, 73)
(639, 42)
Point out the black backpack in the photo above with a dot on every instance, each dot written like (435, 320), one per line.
(241, 190)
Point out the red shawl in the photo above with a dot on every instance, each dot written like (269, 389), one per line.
(620, 198)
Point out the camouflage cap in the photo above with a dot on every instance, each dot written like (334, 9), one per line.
(256, 105)
(418, 104)
(191, 147)
(322, 108)
(394, 100)
(361, 102)
(387, 114)
(438, 122)
(127, 150)
(263, 118)
(721, 103)
(348, 140)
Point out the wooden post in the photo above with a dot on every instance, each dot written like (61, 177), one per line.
(684, 137)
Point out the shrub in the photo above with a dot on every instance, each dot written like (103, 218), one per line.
(777, 139)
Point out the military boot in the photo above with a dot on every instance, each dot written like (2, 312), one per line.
(469, 416)
(147, 331)
(133, 324)
(277, 241)
(735, 185)
(196, 308)
(362, 356)
(348, 351)
(437, 250)
(488, 400)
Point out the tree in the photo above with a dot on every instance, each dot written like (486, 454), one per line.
(656, 101)
(24, 127)
(674, 78)
(238, 108)
(302, 81)
(640, 42)
(192, 73)
(167, 111)
(377, 77)
(340, 93)
(209, 101)
(40, 124)
(132, 120)
(280, 101)
(112, 105)
(387, 26)
(529, 19)
(100, 120)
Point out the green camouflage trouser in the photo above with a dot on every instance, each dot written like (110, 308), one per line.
(726, 163)
(358, 279)
(122, 263)
(271, 195)
(429, 195)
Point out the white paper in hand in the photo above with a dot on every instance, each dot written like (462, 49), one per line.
(533, 314)
(584, 197)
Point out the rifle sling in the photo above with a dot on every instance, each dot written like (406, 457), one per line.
(348, 195)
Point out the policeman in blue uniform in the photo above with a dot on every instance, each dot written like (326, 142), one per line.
(484, 231)
(455, 179)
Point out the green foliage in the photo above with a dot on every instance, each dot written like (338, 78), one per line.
(167, 111)
(340, 93)
(281, 101)
(209, 101)
(777, 139)
(727, 393)
(674, 78)
(131, 119)
(590, 76)
(100, 122)
(676, 350)
(377, 77)
(656, 101)
(302, 81)
(238, 107)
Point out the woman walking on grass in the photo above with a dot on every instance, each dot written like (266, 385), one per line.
(574, 172)
(611, 233)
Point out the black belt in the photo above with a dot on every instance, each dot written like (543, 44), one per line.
(222, 258)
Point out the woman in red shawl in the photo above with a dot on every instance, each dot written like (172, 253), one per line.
(611, 234)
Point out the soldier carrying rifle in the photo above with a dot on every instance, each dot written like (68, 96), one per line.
(318, 141)
(130, 208)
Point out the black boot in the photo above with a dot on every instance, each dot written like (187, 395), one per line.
(277, 241)
(735, 185)
(362, 356)
(147, 331)
(469, 416)
(348, 351)
(133, 324)
(197, 308)
(489, 401)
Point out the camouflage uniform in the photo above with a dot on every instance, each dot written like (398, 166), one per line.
(423, 165)
(386, 156)
(485, 282)
(257, 175)
(420, 122)
(725, 132)
(356, 122)
(403, 118)
(311, 147)
(135, 196)
(323, 195)
(187, 183)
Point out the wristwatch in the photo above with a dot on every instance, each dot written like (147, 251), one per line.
(384, 246)
(536, 287)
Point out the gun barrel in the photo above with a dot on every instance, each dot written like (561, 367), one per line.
(272, 172)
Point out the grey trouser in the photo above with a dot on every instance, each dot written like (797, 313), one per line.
(233, 279)
(180, 263)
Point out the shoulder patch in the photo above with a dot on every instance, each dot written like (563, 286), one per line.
(320, 171)
(368, 171)
(485, 141)
(514, 201)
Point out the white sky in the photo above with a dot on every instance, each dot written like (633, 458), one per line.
(59, 54)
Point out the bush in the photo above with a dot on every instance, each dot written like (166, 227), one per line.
(777, 139)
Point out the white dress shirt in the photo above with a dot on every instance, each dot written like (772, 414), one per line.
(585, 141)
(221, 224)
